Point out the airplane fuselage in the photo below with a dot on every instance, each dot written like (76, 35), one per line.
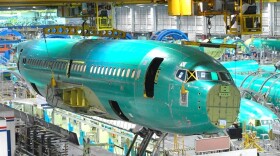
(161, 86)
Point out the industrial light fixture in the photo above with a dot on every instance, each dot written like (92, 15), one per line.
(9, 8)
(33, 7)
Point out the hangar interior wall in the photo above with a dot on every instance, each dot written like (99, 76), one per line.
(151, 18)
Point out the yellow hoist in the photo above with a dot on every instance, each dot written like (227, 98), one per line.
(237, 21)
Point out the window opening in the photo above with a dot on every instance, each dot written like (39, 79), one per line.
(95, 68)
(102, 70)
(85, 67)
(114, 72)
(110, 71)
(133, 73)
(181, 74)
(225, 76)
(128, 72)
(98, 70)
(123, 72)
(106, 70)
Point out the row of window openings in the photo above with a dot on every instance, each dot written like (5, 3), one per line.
(57, 65)
(43, 63)
(82, 68)
(112, 71)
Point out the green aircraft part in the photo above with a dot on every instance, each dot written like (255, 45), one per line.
(260, 43)
(264, 82)
(241, 67)
(256, 117)
(217, 53)
(162, 86)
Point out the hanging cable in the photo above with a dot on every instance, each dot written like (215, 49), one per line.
(209, 26)
(53, 82)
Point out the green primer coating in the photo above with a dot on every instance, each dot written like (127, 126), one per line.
(163, 111)
(250, 110)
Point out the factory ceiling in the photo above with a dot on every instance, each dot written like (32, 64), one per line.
(64, 2)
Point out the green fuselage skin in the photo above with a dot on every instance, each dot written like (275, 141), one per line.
(250, 110)
(161, 112)
(264, 43)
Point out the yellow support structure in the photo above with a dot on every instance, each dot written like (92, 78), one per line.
(245, 24)
(104, 23)
(251, 141)
(74, 97)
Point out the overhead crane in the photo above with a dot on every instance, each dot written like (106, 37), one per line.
(249, 22)
(246, 23)
(80, 1)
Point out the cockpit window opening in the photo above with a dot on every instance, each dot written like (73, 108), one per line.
(224, 76)
(206, 75)
(214, 76)
(203, 75)
(181, 74)
(191, 76)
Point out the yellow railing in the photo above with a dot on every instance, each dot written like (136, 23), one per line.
(104, 23)
(247, 24)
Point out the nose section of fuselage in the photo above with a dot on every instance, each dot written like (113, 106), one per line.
(223, 103)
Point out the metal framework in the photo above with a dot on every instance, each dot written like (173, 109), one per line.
(79, 1)
(84, 31)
